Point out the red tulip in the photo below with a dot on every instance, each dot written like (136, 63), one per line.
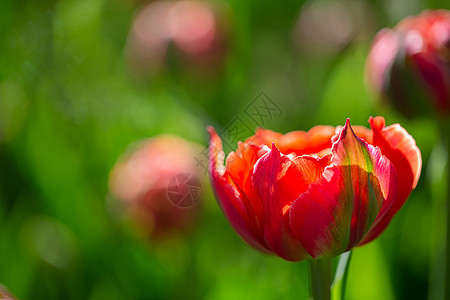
(410, 64)
(316, 193)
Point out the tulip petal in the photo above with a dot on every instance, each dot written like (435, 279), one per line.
(338, 210)
(231, 198)
(239, 166)
(279, 181)
(264, 137)
(400, 148)
(363, 133)
(316, 140)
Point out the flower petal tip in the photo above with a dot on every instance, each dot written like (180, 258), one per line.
(377, 122)
(212, 132)
(215, 143)
(273, 155)
(347, 129)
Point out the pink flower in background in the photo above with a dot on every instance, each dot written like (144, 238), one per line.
(410, 64)
(158, 184)
(194, 28)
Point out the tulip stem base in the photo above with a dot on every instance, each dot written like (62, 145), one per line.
(320, 278)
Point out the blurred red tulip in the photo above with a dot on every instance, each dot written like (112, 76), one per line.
(410, 64)
(195, 28)
(158, 185)
(316, 193)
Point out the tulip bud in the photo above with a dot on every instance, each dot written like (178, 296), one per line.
(158, 185)
(193, 28)
(410, 64)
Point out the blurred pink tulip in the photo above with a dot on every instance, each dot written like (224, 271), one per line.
(194, 28)
(158, 183)
(410, 64)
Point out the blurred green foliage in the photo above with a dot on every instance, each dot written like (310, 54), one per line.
(69, 107)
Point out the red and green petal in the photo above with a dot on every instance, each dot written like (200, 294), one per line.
(232, 200)
(279, 181)
(337, 211)
(400, 148)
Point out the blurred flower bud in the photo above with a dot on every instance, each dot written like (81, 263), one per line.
(410, 64)
(5, 294)
(158, 185)
(329, 26)
(195, 29)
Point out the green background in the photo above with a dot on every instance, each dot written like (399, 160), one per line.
(69, 107)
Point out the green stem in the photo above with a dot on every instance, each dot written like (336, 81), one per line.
(340, 278)
(320, 277)
(344, 280)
